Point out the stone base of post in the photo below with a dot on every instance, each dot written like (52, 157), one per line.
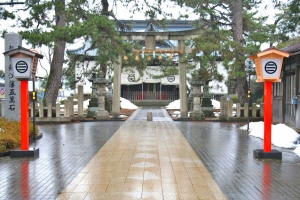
(261, 154)
(101, 115)
(197, 115)
(25, 153)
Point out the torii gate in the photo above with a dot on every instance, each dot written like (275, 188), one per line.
(150, 38)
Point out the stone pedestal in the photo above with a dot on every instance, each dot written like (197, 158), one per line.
(101, 113)
(197, 113)
(207, 107)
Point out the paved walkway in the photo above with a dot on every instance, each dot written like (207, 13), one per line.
(137, 159)
(144, 160)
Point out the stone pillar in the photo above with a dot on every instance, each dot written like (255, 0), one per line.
(57, 110)
(67, 109)
(253, 110)
(71, 107)
(41, 110)
(223, 106)
(49, 110)
(238, 110)
(117, 88)
(246, 109)
(182, 81)
(80, 101)
(229, 108)
(12, 85)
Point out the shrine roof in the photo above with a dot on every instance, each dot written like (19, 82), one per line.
(292, 48)
(144, 25)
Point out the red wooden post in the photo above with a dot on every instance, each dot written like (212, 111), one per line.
(24, 115)
(267, 116)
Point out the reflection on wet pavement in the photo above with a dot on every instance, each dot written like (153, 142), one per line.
(144, 160)
(148, 160)
(64, 151)
(227, 153)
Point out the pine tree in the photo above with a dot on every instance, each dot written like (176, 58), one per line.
(238, 32)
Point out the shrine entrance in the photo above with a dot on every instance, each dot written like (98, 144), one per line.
(150, 91)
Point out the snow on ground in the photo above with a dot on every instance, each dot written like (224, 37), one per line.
(282, 135)
(174, 105)
(126, 104)
(216, 104)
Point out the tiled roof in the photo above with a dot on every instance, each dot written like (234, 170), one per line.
(144, 25)
(293, 48)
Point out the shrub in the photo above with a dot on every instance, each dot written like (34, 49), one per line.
(259, 101)
(10, 134)
(235, 99)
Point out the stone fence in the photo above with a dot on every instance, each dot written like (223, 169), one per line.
(57, 113)
(228, 110)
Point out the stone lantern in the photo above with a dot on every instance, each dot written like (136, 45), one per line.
(101, 92)
(196, 84)
(93, 103)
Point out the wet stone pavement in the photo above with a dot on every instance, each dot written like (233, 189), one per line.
(225, 151)
(64, 151)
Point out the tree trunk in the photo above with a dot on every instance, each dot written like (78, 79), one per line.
(237, 29)
(54, 80)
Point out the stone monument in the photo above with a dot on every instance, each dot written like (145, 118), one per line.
(11, 109)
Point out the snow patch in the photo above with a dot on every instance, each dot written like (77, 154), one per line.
(282, 135)
(126, 104)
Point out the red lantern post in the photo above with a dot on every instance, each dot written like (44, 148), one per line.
(24, 64)
(268, 68)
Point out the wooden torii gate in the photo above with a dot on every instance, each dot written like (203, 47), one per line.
(150, 38)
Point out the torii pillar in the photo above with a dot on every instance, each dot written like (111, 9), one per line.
(116, 88)
(182, 81)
